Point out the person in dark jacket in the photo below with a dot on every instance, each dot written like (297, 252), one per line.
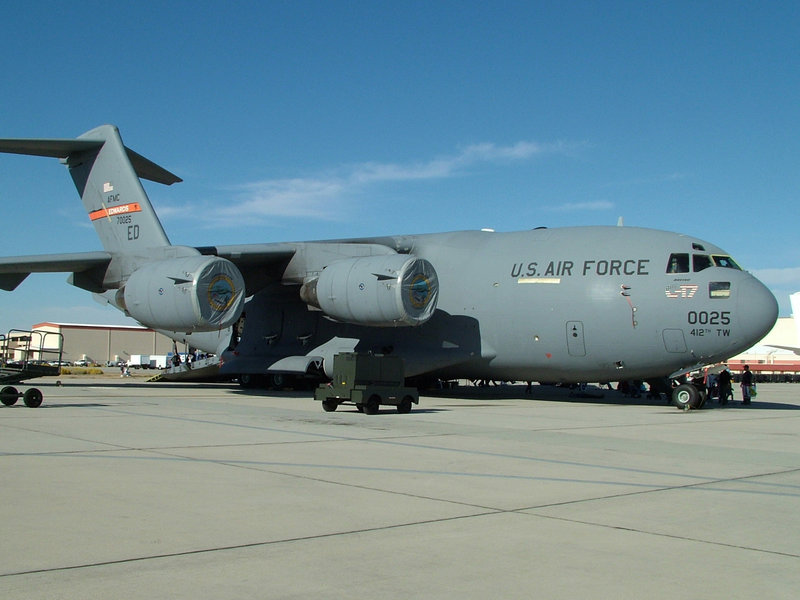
(747, 382)
(724, 386)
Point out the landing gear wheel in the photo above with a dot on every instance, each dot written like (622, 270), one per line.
(9, 395)
(329, 405)
(32, 398)
(686, 396)
(249, 380)
(703, 397)
(372, 405)
(405, 405)
(279, 381)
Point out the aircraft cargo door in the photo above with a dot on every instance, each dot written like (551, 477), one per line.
(575, 343)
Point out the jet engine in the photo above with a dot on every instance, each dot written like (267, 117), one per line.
(195, 293)
(381, 291)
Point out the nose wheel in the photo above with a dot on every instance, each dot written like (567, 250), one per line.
(687, 396)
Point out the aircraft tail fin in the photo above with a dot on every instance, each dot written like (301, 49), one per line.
(106, 174)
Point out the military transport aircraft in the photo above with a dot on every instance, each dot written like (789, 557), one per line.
(558, 305)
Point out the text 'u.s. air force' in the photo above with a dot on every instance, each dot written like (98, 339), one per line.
(586, 268)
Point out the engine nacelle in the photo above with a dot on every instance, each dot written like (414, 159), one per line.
(382, 291)
(196, 293)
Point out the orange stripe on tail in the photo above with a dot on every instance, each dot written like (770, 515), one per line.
(115, 210)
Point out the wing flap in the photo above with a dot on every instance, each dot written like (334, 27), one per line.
(10, 281)
(259, 264)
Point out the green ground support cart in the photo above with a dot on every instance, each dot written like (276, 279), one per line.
(368, 381)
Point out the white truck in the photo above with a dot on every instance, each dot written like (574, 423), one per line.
(139, 361)
(158, 361)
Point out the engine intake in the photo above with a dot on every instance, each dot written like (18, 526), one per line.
(196, 293)
(381, 291)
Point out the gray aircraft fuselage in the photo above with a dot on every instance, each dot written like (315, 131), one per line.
(557, 305)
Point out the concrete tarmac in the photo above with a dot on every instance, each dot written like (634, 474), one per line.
(117, 488)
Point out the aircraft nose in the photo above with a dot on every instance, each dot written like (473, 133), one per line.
(758, 310)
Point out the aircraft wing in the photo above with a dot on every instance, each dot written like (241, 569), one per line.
(14, 269)
(259, 264)
(794, 349)
(291, 262)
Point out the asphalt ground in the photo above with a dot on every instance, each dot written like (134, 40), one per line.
(117, 488)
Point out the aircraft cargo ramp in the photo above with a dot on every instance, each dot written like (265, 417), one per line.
(200, 370)
(10, 374)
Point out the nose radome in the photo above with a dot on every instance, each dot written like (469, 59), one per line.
(758, 311)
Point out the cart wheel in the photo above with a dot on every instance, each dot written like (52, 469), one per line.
(32, 398)
(372, 405)
(9, 395)
(329, 405)
(405, 405)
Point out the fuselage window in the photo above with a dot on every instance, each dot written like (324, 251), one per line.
(678, 263)
(725, 262)
(700, 262)
(719, 289)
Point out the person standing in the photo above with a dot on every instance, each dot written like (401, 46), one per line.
(747, 382)
(724, 385)
(711, 385)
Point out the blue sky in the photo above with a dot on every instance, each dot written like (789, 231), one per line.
(312, 120)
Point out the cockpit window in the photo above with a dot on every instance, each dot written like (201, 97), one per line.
(678, 263)
(700, 262)
(726, 262)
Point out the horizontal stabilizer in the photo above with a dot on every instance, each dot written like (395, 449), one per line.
(55, 148)
(51, 148)
(147, 169)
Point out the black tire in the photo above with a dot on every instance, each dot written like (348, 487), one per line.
(9, 395)
(32, 398)
(404, 407)
(686, 396)
(247, 380)
(329, 405)
(372, 405)
(279, 381)
(703, 397)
